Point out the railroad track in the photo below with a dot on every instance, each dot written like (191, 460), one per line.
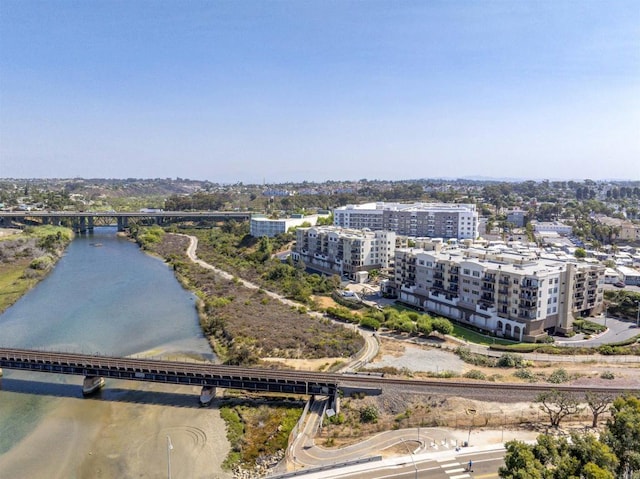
(497, 391)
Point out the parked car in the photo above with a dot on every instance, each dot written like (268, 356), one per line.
(619, 284)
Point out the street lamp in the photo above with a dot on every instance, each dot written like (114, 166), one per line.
(169, 448)
(411, 455)
(638, 314)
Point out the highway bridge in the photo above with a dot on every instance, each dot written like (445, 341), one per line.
(83, 221)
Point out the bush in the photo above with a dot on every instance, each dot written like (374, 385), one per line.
(510, 360)
(42, 263)
(475, 374)
(369, 414)
(559, 376)
(370, 323)
(526, 374)
(607, 375)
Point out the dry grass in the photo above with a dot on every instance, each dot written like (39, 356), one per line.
(240, 316)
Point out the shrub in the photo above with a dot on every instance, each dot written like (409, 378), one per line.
(607, 375)
(475, 374)
(510, 360)
(336, 419)
(369, 414)
(559, 376)
(525, 374)
(370, 323)
(41, 263)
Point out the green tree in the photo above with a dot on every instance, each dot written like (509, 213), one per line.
(580, 253)
(623, 434)
(520, 462)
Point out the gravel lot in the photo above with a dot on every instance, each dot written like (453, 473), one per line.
(417, 359)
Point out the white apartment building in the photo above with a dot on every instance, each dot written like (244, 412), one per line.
(552, 227)
(346, 252)
(442, 220)
(261, 225)
(510, 294)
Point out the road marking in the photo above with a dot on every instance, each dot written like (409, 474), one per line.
(448, 464)
(452, 471)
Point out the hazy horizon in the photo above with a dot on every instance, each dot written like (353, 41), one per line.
(274, 92)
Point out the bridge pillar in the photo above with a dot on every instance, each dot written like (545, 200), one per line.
(123, 222)
(207, 394)
(92, 384)
(336, 402)
(90, 218)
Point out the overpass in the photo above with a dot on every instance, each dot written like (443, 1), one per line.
(83, 221)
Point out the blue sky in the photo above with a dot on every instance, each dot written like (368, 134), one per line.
(276, 91)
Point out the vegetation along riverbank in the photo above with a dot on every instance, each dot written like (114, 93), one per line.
(26, 256)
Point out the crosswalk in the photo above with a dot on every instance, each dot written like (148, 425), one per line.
(454, 470)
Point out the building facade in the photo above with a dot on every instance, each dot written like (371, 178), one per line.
(346, 252)
(261, 225)
(512, 295)
(434, 220)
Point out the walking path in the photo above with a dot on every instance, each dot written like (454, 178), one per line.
(365, 355)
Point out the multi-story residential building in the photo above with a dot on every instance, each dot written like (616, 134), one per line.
(552, 227)
(442, 220)
(510, 294)
(516, 217)
(347, 252)
(261, 225)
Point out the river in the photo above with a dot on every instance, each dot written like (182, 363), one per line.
(105, 296)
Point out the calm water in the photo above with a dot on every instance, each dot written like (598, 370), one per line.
(104, 296)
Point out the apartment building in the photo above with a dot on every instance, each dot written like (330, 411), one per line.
(515, 295)
(343, 251)
(261, 225)
(443, 220)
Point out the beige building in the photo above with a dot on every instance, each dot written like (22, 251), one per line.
(513, 295)
(347, 252)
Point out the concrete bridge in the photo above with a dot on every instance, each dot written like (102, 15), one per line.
(83, 221)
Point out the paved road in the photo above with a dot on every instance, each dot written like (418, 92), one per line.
(432, 465)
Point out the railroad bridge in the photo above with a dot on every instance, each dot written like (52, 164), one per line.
(171, 372)
(83, 221)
